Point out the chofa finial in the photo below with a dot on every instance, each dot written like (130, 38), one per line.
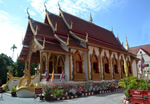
(59, 5)
(28, 12)
(45, 6)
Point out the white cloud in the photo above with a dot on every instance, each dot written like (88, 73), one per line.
(11, 33)
(79, 8)
(1, 1)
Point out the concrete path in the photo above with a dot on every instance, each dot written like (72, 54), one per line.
(107, 98)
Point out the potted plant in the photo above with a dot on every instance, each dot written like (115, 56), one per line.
(13, 91)
(47, 92)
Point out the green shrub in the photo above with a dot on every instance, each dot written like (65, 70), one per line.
(5, 87)
(58, 92)
(13, 89)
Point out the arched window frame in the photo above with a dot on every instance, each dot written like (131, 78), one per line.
(94, 63)
(115, 66)
(106, 64)
(78, 64)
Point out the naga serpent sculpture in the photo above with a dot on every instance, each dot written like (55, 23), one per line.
(10, 75)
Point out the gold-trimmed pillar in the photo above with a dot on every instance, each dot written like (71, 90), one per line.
(119, 67)
(110, 62)
(100, 63)
(88, 65)
(70, 66)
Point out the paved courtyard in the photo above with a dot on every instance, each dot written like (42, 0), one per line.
(108, 98)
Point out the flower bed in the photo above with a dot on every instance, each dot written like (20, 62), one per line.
(70, 91)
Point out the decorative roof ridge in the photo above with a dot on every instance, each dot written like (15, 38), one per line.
(49, 21)
(38, 44)
(61, 14)
(75, 36)
(62, 41)
(48, 42)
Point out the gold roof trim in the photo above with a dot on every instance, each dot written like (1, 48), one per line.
(77, 37)
(60, 40)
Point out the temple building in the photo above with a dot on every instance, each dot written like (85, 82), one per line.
(79, 48)
(143, 50)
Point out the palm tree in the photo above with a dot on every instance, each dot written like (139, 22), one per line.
(13, 49)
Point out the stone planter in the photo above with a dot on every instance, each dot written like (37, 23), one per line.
(13, 94)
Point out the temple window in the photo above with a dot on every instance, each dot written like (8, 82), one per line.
(106, 65)
(129, 68)
(95, 64)
(122, 67)
(78, 64)
(115, 67)
(60, 65)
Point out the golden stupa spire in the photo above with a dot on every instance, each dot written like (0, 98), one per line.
(127, 46)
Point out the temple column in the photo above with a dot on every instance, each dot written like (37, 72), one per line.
(110, 63)
(49, 54)
(118, 61)
(70, 66)
(88, 65)
(100, 62)
(41, 63)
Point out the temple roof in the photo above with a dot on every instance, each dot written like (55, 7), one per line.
(81, 26)
(61, 28)
(145, 48)
(66, 28)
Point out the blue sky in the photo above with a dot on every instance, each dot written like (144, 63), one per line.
(129, 18)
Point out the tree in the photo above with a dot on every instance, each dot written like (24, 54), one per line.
(5, 64)
(13, 49)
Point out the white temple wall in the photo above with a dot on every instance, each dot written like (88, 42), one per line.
(134, 68)
(67, 67)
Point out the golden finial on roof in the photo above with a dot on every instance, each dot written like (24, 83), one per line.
(71, 24)
(55, 26)
(68, 40)
(127, 46)
(86, 37)
(28, 12)
(91, 20)
(45, 6)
